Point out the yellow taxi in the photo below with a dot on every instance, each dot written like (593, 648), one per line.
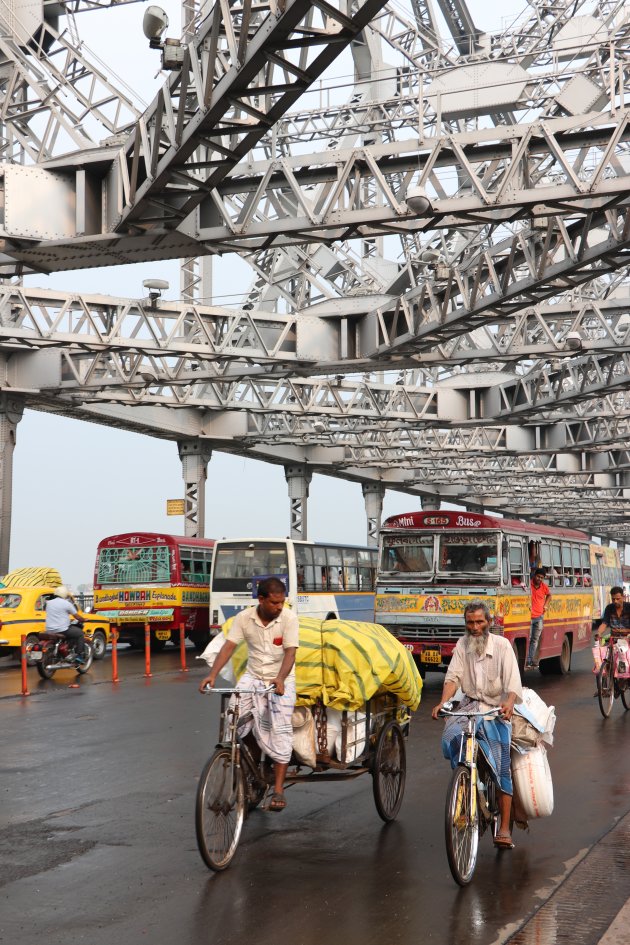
(22, 612)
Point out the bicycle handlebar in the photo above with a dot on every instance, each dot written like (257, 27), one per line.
(469, 715)
(270, 688)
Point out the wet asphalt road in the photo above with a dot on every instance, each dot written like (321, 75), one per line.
(97, 837)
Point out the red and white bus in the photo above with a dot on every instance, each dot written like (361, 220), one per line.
(432, 564)
(162, 580)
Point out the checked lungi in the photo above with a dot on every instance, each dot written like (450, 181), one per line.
(271, 716)
(493, 737)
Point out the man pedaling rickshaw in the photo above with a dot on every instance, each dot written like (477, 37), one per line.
(271, 632)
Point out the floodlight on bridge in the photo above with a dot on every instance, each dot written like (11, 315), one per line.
(418, 201)
(154, 25)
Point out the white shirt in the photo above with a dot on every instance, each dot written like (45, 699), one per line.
(265, 645)
(489, 678)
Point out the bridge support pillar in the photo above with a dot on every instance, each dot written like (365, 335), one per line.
(195, 457)
(373, 493)
(298, 479)
(11, 410)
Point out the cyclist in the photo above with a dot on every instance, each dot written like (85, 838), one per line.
(484, 667)
(616, 616)
(62, 617)
(271, 633)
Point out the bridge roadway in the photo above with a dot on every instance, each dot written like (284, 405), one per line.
(97, 837)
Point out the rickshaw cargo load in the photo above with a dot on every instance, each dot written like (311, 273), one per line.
(533, 787)
(344, 663)
(32, 577)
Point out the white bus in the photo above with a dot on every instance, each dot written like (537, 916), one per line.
(323, 580)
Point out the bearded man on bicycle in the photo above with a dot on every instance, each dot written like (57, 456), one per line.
(271, 632)
(484, 667)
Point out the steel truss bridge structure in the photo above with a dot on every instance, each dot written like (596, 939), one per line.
(439, 246)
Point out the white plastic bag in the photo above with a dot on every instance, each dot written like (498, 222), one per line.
(210, 654)
(540, 715)
(304, 735)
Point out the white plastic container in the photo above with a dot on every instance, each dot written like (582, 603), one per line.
(532, 782)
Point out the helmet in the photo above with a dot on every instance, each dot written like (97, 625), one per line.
(61, 591)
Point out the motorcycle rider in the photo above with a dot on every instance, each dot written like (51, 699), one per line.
(60, 611)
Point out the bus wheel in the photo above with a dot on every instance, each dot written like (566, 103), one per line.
(558, 665)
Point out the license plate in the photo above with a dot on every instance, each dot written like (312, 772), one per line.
(35, 655)
(430, 656)
(162, 634)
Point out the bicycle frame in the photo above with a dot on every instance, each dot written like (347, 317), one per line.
(469, 749)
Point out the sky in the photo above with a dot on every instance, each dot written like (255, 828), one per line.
(76, 483)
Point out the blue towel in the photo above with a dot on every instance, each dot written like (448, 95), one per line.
(493, 736)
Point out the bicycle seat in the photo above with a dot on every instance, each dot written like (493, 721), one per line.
(50, 637)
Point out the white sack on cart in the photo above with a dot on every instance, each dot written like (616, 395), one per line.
(540, 716)
(356, 733)
(304, 735)
(210, 654)
(533, 787)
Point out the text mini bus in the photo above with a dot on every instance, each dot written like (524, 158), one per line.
(433, 563)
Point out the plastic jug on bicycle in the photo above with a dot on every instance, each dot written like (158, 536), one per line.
(484, 667)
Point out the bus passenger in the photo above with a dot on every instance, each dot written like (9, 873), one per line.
(540, 598)
(484, 667)
(271, 632)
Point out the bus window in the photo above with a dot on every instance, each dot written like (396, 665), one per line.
(577, 565)
(321, 574)
(545, 558)
(517, 571)
(556, 565)
(305, 572)
(408, 553)
(335, 572)
(469, 554)
(238, 564)
(367, 569)
(350, 569)
(567, 565)
(147, 564)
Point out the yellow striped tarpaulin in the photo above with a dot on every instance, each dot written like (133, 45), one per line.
(346, 662)
(32, 577)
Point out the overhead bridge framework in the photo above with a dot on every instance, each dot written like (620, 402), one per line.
(440, 297)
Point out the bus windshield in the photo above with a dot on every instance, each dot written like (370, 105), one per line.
(473, 553)
(147, 565)
(408, 553)
(237, 564)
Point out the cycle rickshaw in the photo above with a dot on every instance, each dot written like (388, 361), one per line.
(371, 739)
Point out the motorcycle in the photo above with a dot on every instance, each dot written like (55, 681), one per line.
(54, 651)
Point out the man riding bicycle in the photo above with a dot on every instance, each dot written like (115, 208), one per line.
(62, 617)
(484, 667)
(271, 632)
(616, 616)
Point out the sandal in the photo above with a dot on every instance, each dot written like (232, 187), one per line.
(503, 841)
(277, 802)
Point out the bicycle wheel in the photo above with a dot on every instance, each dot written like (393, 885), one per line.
(219, 810)
(605, 688)
(389, 771)
(625, 694)
(461, 827)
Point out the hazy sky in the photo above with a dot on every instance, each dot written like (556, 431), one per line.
(75, 483)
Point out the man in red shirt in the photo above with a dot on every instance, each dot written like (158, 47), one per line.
(540, 598)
